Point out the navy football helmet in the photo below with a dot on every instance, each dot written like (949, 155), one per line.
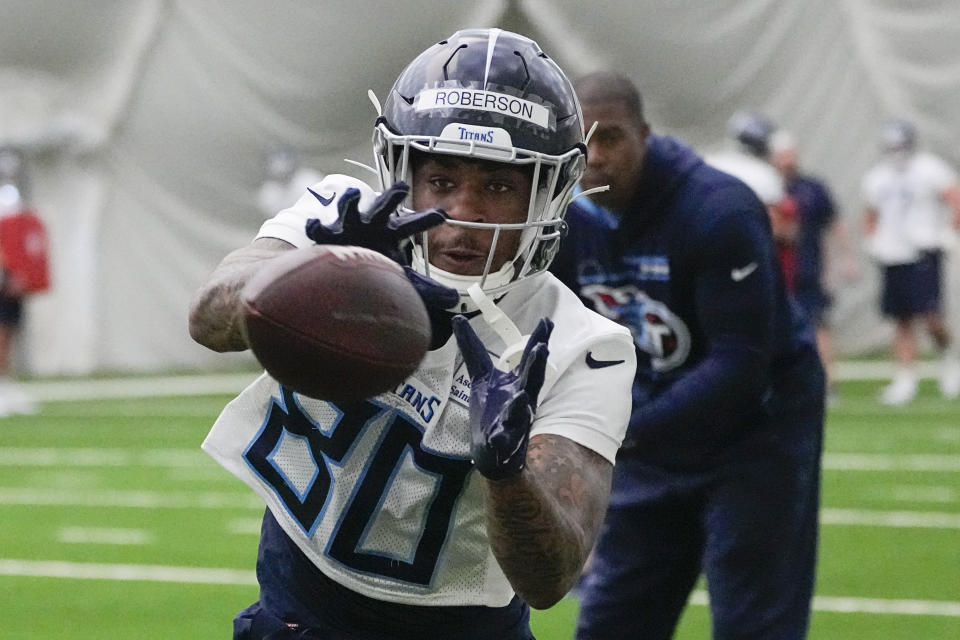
(493, 95)
(752, 130)
(898, 135)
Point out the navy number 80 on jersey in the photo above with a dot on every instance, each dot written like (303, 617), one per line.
(300, 460)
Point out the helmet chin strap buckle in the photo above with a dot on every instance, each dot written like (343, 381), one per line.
(503, 326)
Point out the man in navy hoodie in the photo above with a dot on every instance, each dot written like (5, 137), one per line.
(720, 468)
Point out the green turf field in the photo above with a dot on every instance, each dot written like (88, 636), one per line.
(116, 525)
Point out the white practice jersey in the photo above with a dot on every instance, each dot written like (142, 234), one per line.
(381, 495)
(911, 214)
(758, 174)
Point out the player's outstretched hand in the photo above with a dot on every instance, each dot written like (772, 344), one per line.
(502, 403)
(379, 228)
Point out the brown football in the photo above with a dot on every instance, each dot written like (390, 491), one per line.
(338, 323)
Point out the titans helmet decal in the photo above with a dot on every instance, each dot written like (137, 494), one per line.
(656, 330)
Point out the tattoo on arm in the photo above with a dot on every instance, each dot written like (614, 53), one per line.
(542, 524)
(215, 309)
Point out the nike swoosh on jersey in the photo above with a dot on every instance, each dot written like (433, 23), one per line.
(323, 201)
(593, 363)
(739, 274)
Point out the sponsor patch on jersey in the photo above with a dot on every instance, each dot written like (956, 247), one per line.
(460, 387)
(653, 267)
(481, 100)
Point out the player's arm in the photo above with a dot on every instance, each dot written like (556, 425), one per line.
(215, 309)
(546, 495)
(839, 244)
(869, 221)
(543, 522)
(951, 195)
(784, 220)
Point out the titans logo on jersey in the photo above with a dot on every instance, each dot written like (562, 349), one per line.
(420, 398)
(656, 330)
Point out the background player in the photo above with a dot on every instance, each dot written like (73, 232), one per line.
(747, 157)
(912, 209)
(817, 225)
(720, 467)
(426, 523)
(24, 271)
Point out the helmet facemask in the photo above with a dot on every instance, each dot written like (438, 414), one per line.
(553, 181)
(490, 95)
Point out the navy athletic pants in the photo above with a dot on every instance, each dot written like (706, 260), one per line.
(749, 524)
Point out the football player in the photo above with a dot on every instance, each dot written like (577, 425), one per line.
(749, 160)
(819, 228)
(24, 271)
(719, 471)
(475, 489)
(912, 200)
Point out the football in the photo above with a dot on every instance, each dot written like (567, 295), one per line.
(338, 323)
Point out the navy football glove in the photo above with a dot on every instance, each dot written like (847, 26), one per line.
(502, 403)
(435, 296)
(437, 299)
(379, 228)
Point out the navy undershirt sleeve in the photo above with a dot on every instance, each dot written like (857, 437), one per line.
(735, 285)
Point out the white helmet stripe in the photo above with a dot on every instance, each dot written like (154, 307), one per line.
(491, 45)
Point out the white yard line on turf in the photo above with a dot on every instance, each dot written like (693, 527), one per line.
(100, 457)
(155, 573)
(868, 605)
(891, 462)
(94, 388)
(245, 526)
(242, 500)
(144, 572)
(189, 458)
(126, 498)
(901, 519)
(104, 535)
(202, 384)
